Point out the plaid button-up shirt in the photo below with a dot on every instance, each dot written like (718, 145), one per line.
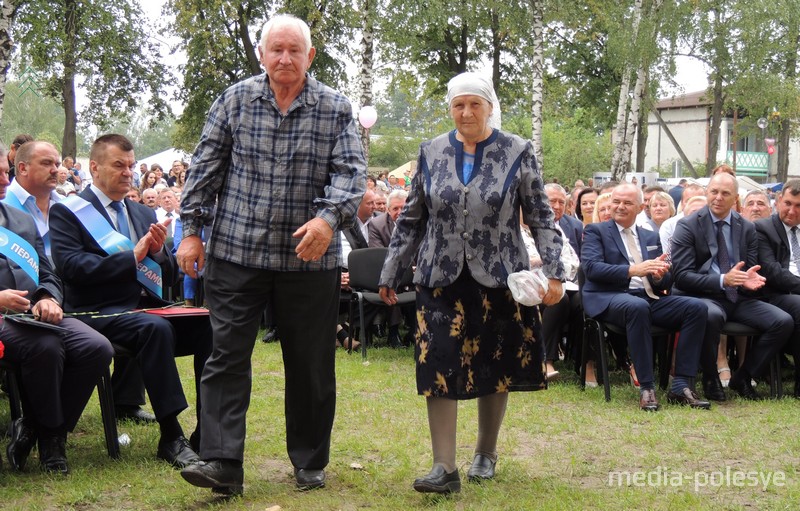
(260, 175)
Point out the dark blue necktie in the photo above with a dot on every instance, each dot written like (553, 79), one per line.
(724, 260)
(122, 220)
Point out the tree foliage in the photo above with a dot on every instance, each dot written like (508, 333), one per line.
(103, 45)
(26, 111)
(220, 38)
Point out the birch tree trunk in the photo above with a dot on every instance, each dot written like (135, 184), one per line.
(7, 10)
(629, 107)
(633, 121)
(367, 65)
(537, 82)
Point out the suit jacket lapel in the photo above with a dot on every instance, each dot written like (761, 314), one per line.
(140, 228)
(613, 230)
(642, 244)
(784, 252)
(736, 238)
(709, 231)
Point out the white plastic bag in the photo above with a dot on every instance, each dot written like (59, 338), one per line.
(528, 287)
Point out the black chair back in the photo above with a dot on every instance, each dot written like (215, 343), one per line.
(364, 265)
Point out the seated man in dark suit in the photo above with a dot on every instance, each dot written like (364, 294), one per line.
(59, 369)
(382, 226)
(626, 283)
(115, 271)
(571, 226)
(715, 258)
(779, 255)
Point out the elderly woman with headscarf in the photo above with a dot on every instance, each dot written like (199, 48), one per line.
(461, 225)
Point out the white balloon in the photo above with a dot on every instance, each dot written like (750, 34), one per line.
(367, 116)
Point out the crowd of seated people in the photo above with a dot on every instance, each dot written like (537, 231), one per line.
(731, 284)
(64, 215)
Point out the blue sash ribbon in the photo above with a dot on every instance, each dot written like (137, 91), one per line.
(148, 272)
(12, 200)
(15, 248)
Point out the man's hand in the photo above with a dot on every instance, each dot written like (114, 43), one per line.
(346, 281)
(13, 300)
(191, 252)
(158, 235)
(749, 279)
(659, 274)
(48, 310)
(316, 235)
(554, 292)
(656, 267)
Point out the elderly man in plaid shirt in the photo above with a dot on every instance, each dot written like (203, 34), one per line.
(279, 168)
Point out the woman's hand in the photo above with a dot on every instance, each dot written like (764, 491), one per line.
(554, 292)
(388, 296)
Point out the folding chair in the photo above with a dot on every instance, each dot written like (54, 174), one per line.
(104, 395)
(365, 265)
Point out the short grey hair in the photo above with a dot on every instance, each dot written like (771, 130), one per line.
(755, 192)
(285, 20)
(397, 194)
(555, 187)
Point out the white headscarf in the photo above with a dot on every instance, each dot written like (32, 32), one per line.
(474, 84)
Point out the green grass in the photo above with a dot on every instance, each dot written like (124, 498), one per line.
(556, 449)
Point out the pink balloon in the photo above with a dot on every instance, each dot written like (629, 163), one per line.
(367, 116)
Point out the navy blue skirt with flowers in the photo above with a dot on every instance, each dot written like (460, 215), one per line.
(473, 341)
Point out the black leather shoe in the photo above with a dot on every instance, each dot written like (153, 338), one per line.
(19, 448)
(309, 478)
(743, 388)
(270, 335)
(712, 389)
(177, 452)
(135, 414)
(225, 477)
(53, 454)
(482, 469)
(797, 389)
(648, 401)
(439, 481)
(687, 397)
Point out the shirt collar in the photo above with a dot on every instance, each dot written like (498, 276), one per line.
(308, 96)
(726, 218)
(104, 199)
(23, 195)
(620, 228)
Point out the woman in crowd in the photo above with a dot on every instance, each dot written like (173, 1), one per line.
(180, 179)
(585, 205)
(461, 225)
(602, 208)
(149, 180)
(661, 207)
(371, 183)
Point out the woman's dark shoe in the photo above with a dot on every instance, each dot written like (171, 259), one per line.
(439, 481)
(482, 469)
(19, 448)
